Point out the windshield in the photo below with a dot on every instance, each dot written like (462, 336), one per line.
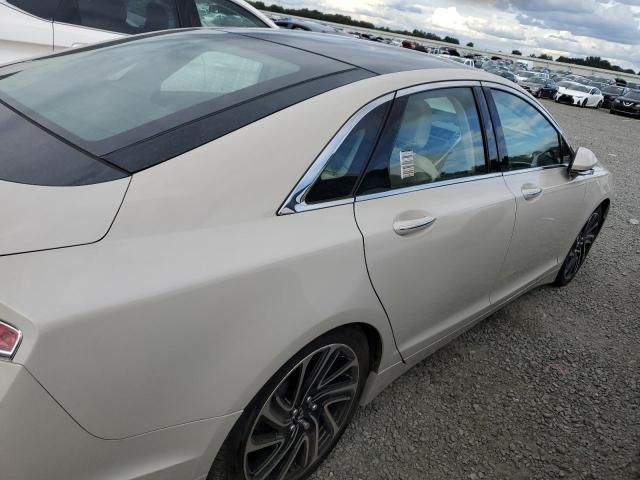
(224, 13)
(613, 90)
(635, 95)
(536, 80)
(581, 88)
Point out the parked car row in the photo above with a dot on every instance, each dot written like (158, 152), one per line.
(599, 93)
(565, 87)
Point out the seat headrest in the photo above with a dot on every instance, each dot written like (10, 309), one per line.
(416, 123)
(157, 17)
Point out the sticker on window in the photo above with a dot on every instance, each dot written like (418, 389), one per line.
(407, 164)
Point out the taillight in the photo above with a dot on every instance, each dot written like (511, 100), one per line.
(9, 340)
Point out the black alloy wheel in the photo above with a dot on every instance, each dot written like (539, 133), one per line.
(580, 248)
(297, 419)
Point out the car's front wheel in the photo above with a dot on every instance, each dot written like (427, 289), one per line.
(299, 416)
(580, 248)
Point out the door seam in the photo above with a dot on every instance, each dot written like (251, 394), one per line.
(508, 251)
(366, 266)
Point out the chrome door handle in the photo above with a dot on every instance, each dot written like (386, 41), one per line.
(529, 192)
(406, 227)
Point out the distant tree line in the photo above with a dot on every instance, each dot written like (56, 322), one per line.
(315, 14)
(347, 20)
(595, 62)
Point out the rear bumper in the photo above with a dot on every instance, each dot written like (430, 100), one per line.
(39, 440)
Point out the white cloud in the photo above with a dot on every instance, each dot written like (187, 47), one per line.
(610, 28)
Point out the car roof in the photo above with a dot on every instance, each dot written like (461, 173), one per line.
(374, 57)
(324, 62)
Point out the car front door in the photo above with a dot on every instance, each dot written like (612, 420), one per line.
(83, 22)
(549, 201)
(436, 220)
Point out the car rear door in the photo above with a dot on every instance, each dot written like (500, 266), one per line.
(535, 158)
(83, 22)
(435, 217)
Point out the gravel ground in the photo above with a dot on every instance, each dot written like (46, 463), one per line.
(549, 387)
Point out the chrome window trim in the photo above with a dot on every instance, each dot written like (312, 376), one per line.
(295, 202)
(535, 169)
(427, 186)
(437, 86)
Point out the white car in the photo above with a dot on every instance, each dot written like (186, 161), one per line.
(38, 27)
(523, 76)
(217, 244)
(467, 62)
(580, 95)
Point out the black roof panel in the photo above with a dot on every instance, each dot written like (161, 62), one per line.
(373, 56)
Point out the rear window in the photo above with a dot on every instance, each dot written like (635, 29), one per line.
(39, 8)
(104, 99)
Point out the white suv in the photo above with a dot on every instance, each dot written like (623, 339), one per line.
(31, 28)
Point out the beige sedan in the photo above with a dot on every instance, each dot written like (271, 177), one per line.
(216, 244)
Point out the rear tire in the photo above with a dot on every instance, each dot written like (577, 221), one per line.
(298, 417)
(581, 247)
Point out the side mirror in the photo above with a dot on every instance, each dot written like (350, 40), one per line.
(583, 161)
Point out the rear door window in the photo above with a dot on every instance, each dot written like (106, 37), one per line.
(431, 136)
(131, 17)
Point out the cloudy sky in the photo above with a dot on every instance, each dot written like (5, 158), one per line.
(559, 27)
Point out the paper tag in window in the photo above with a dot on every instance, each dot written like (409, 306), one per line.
(407, 164)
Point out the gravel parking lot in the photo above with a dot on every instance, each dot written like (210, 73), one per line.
(549, 387)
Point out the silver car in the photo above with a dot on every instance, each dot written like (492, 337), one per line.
(217, 244)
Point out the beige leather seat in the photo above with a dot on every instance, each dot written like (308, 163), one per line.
(414, 134)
